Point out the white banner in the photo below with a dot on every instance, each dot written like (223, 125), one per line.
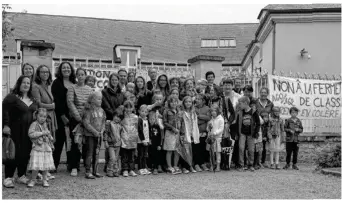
(316, 99)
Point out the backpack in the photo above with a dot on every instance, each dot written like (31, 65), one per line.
(8, 149)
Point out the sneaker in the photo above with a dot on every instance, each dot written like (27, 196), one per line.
(217, 169)
(251, 169)
(142, 172)
(170, 170)
(185, 171)
(155, 172)
(39, 176)
(125, 174)
(50, 177)
(294, 166)
(272, 166)
(110, 174)
(240, 169)
(73, 172)
(31, 183)
(177, 170)
(204, 167)
(8, 183)
(89, 176)
(160, 170)
(256, 167)
(147, 172)
(193, 170)
(198, 169)
(23, 180)
(98, 175)
(132, 173)
(116, 174)
(45, 183)
(277, 167)
(261, 166)
(287, 166)
(245, 167)
(265, 165)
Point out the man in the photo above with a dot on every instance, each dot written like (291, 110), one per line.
(152, 73)
(210, 77)
(248, 92)
(237, 85)
(123, 79)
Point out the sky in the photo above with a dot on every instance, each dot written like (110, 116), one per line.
(181, 13)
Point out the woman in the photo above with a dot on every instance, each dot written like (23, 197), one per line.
(163, 85)
(175, 83)
(264, 104)
(76, 98)
(143, 95)
(131, 77)
(28, 70)
(17, 114)
(65, 78)
(188, 89)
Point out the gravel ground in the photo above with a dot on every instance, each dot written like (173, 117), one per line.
(262, 184)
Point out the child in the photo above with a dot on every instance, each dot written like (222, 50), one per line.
(264, 130)
(130, 87)
(156, 137)
(129, 139)
(293, 127)
(213, 97)
(215, 130)
(258, 147)
(112, 142)
(90, 81)
(203, 116)
(172, 123)
(190, 132)
(276, 136)
(94, 121)
(41, 154)
(144, 140)
(131, 97)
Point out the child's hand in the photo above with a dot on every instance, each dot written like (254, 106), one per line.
(176, 131)
(106, 144)
(297, 130)
(292, 131)
(145, 143)
(99, 134)
(159, 148)
(264, 139)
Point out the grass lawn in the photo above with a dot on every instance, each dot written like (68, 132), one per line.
(262, 184)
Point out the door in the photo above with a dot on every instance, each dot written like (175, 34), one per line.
(5, 89)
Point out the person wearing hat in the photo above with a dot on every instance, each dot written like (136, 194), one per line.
(293, 127)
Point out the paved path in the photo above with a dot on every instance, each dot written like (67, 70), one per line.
(262, 184)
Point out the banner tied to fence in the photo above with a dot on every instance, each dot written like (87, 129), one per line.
(316, 99)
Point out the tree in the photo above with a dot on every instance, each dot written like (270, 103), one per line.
(7, 28)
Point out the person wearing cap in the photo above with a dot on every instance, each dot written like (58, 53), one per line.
(123, 79)
(152, 73)
(293, 127)
(210, 77)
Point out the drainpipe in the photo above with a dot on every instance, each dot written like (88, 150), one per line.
(273, 46)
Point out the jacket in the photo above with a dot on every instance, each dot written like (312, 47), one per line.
(255, 124)
(267, 108)
(291, 125)
(76, 98)
(40, 142)
(156, 135)
(112, 134)
(227, 109)
(59, 93)
(142, 136)
(129, 133)
(111, 100)
(94, 122)
(190, 127)
(216, 126)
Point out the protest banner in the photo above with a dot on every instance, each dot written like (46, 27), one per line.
(316, 99)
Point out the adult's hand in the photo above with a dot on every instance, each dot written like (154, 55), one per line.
(6, 130)
(65, 120)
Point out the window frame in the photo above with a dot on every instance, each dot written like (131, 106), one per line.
(229, 39)
(218, 43)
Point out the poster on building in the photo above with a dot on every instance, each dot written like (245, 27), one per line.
(316, 99)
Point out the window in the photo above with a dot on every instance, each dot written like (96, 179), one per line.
(128, 57)
(227, 43)
(209, 43)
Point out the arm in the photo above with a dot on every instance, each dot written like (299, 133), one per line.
(141, 130)
(257, 124)
(220, 128)
(70, 101)
(231, 111)
(106, 132)
(33, 133)
(103, 127)
(166, 124)
(6, 109)
(106, 105)
(287, 126)
(300, 127)
(87, 124)
(36, 95)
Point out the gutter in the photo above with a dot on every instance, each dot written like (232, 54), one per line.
(273, 46)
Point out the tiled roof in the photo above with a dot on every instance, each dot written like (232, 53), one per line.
(84, 37)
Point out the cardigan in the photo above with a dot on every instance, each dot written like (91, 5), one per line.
(111, 101)
(94, 122)
(291, 125)
(77, 96)
(40, 142)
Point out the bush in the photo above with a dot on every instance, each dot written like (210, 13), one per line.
(330, 158)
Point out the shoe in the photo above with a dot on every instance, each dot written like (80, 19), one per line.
(272, 166)
(256, 167)
(53, 171)
(277, 167)
(8, 183)
(23, 180)
(116, 174)
(132, 173)
(89, 176)
(73, 172)
(105, 168)
(193, 170)
(110, 174)
(125, 174)
(261, 166)
(177, 170)
(147, 172)
(39, 176)
(240, 169)
(31, 183)
(198, 169)
(218, 168)
(211, 169)
(251, 169)
(160, 170)
(170, 170)
(245, 167)
(98, 175)
(265, 165)
(142, 172)
(45, 183)
(204, 167)
(185, 171)
(294, 166)
(49, 176)
(287, 166)
(155, 172)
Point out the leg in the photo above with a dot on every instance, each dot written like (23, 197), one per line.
(34, 175)
(276, 158)
(110, 166)
(263, 158)
(295, 152)
(124, 159)
(10, 169)
(175, 158)
(90, 148)
(44, 175)
(218, 161)
(250, 147)
(131, 159)
(242, 142)
(74, 154)
(60, 140)
(289, 149)
(168, 158)
(271, 158)
(22, 165)
(140, 156)
(96, 152)
(116, 159)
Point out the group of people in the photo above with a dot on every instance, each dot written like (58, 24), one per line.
(175, 125)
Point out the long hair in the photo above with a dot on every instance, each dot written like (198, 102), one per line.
(110, 84)
(17, 85)
(22, 70)
(184, 84)
(167, 87)
(59, 75)
(38, 80)
(178, 81)
(192, 102)
(136, 86)
(89, 105)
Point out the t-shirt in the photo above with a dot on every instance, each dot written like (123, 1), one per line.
(246, 122)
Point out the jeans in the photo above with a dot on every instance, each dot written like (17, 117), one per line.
(92, 154)
(113, 163)
(74, 155)
(250, 149)
(263, 157)
(142, 156)
(291, 147)
(203, 152)
(197, 159)
(59, 144)
(127, 159)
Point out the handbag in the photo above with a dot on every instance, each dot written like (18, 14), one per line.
(8, 149)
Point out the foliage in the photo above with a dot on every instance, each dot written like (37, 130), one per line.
(7, 28)
(330, 158)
